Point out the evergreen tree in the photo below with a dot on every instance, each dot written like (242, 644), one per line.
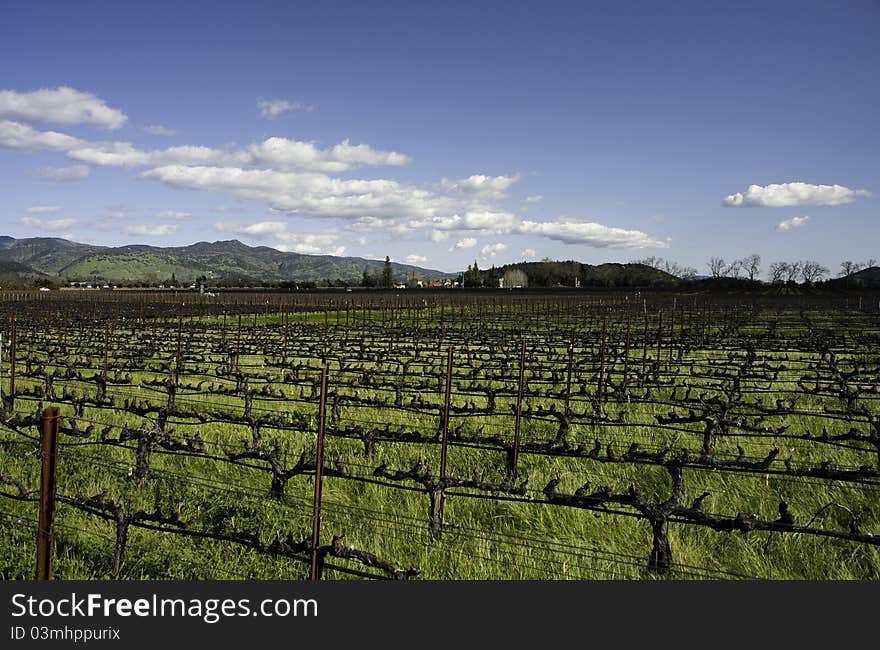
(387, 276)
(474, 277)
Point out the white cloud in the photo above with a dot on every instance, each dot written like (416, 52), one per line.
(123, 154)
(487, 220)
(319, 243)
(534, 198)
(63, 174)
(416, 259)
(147, 230)
(528, 254)
(53, 225)
(43, 209)
(285, 154)
(15, 135)
(371, 224)
(794, 222)
(491, 250)
(479, 186)
(439, 235)
(781, 195)
(276, 153)
(467, 242)
(60, 105)
(309, 194)
(257, 230)
(274, 108)
(156, 129)
(178, 216)
(571, 231)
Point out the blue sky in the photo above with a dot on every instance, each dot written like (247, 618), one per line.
(441, 133)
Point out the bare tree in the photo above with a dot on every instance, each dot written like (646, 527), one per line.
(813, 271)
(734, 269)
(778, 270)
(672, 268)
(793, 271)
(752, 265)
(717, 266)
(848, 267)
(683, 272)
(870, 263)
(653, 261)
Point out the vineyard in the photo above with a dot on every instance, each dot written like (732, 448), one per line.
(450, 435)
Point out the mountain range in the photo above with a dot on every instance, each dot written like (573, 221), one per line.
(229, 262)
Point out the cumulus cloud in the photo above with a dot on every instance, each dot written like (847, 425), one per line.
(534, 198)
(491, 250)
(488, 220)
(439, 235)
(63, 174)
(467, 242)
(372, 224)
(311, 244)
(570, 231)
(124, 154)
(794, 222)
(259, 230)
(310, 194)
(781, 195)
(157, 129)
(148, 230)
(43, 209)
(271, 109)
(52, 225)
(529, 253)
(416, 259)
(285, 154)
(479, 186)
(172, 214)
(315, 243)
(60, 105)
(15, 135)
(275, 153)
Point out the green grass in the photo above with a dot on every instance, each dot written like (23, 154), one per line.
(482, 538)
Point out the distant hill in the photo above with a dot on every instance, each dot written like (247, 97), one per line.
(17, 275)
(548, 274)
(221, 262)
(869, 277)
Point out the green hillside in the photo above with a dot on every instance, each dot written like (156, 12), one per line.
(223, 261)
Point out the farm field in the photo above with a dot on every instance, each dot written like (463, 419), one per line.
(467, 435)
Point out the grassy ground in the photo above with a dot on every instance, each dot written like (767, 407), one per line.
(482, 538)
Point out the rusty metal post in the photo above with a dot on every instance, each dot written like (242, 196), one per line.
(446, 401)
(13, 346)
(106, 351)
(46, 529)
(285, 325)
(659, 336)
(319, 476)
(514, 461)
(238, 341)
(568, 380)
(177, 360)
(601, 386)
